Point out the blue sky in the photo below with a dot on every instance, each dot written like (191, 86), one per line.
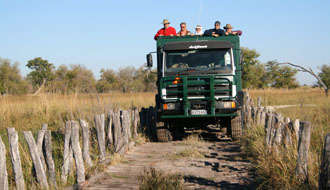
(113, 34)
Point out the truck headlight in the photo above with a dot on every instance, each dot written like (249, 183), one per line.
(169, 106)
(229, 104)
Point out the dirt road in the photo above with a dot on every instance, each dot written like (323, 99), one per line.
(221, 167)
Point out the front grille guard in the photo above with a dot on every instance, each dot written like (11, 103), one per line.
(182, 91)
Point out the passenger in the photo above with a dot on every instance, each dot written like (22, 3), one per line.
(183, 31)
(216, 31)
(199, 30)
(229, 30)
(166, 31)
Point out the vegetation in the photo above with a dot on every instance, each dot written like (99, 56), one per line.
(276, 169)
(152, 179)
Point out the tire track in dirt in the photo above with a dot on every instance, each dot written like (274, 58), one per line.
(222, 168)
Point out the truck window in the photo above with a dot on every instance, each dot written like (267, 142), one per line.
(198, 60)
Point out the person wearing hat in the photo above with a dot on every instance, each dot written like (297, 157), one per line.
(183, 31)
(166, 31)
(229, 30)
(198, 30)
(216, 31)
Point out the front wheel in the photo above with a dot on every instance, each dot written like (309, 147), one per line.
(234, 127)
(163, 132)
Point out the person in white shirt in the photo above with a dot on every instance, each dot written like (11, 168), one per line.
(198, 30)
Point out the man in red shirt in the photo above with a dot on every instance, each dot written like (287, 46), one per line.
(166, 31)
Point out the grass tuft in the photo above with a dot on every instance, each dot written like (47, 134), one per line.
(152, 179)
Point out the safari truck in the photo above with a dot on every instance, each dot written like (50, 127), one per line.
(199, 83)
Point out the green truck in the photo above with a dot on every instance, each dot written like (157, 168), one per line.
(199, 83)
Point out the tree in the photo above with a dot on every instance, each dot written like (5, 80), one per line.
(76, 79)
(42, 72)
(146, 80)
(11, 81)
(253, 72)
(325, 75)
(126, 77)
(109, 81)
(279, 76)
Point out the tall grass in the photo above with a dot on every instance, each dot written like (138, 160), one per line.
(276, 169)
(30, 112)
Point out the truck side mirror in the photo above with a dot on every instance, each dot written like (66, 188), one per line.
(149, 60)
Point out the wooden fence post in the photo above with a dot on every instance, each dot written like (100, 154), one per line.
(77, 152)
(67, 155)
(143, 120)
(38, 166)
(279, 129)
(296, 126)
(40, 140)
(15, 158)
(263, 118)
(109, 128)
(3, 167)
(49, 158)
(135, 122)
(100, 135)
(268, 128)
(259, 102)
(85, 134)
(324, 177)
(303, 147)
(117, 131)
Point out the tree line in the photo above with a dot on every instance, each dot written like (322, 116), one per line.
(79, 79)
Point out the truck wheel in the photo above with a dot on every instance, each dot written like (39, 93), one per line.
(236, 127)
(163, 132)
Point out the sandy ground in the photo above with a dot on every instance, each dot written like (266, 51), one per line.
(224, 165)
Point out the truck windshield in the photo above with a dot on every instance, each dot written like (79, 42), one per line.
(198, 60)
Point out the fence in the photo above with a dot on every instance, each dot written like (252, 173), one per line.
(281, 131)
(117, 131)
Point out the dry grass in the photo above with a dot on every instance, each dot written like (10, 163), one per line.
(152, 179)
(30, 112)
(277, 170)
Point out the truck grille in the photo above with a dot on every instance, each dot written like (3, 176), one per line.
(197, 87)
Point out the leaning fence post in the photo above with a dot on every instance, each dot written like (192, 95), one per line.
(324, 178)
(3, 167)
(15, 158)
(38, 166)
(303, 147)
(259, 102)
(67, 155)
(49, 158)
(268, 128)
(77, 152)
(85, 134)
(100, 135)
(40, 140)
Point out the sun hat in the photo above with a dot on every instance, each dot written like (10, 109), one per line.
(199, 26)
(165, 21)
(228, 26)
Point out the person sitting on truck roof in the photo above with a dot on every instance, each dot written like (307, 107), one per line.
(166, 31)
(183, 31)
(198, 30)
(229, 30)
(216, 31)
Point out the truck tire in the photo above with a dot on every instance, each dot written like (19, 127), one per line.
(236, 127)
(163, 132)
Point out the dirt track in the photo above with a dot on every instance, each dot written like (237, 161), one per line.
(222, 168)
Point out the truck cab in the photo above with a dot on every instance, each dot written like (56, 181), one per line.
(199, 83)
